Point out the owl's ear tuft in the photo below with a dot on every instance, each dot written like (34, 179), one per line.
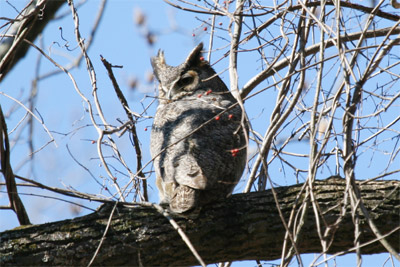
(158, 63)
(161, 58)
(195, 57)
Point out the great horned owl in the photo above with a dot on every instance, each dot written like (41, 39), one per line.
(199, 154)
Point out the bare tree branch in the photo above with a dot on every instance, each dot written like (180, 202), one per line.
(256, 80)
(132, 128)
(15, 202)
(27, 26)
(245, 226)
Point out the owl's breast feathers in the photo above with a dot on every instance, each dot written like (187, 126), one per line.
(198, 145)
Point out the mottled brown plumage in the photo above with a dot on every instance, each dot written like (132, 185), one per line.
(198, 157)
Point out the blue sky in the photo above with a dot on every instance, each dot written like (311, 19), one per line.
(122, 42)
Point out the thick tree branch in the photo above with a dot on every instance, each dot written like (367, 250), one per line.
(245, 226)
(26, 26)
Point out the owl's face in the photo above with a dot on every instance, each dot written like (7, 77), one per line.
(182, 80)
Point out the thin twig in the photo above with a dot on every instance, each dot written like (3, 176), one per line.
(180, 232)
(104, 235)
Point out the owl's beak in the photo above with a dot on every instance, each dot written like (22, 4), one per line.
(171, 91)
(169, 95)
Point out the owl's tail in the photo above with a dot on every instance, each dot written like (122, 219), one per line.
(184, 199)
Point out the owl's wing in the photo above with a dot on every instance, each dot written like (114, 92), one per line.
(189, 173)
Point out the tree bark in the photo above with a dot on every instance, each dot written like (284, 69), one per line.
(242, 227)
